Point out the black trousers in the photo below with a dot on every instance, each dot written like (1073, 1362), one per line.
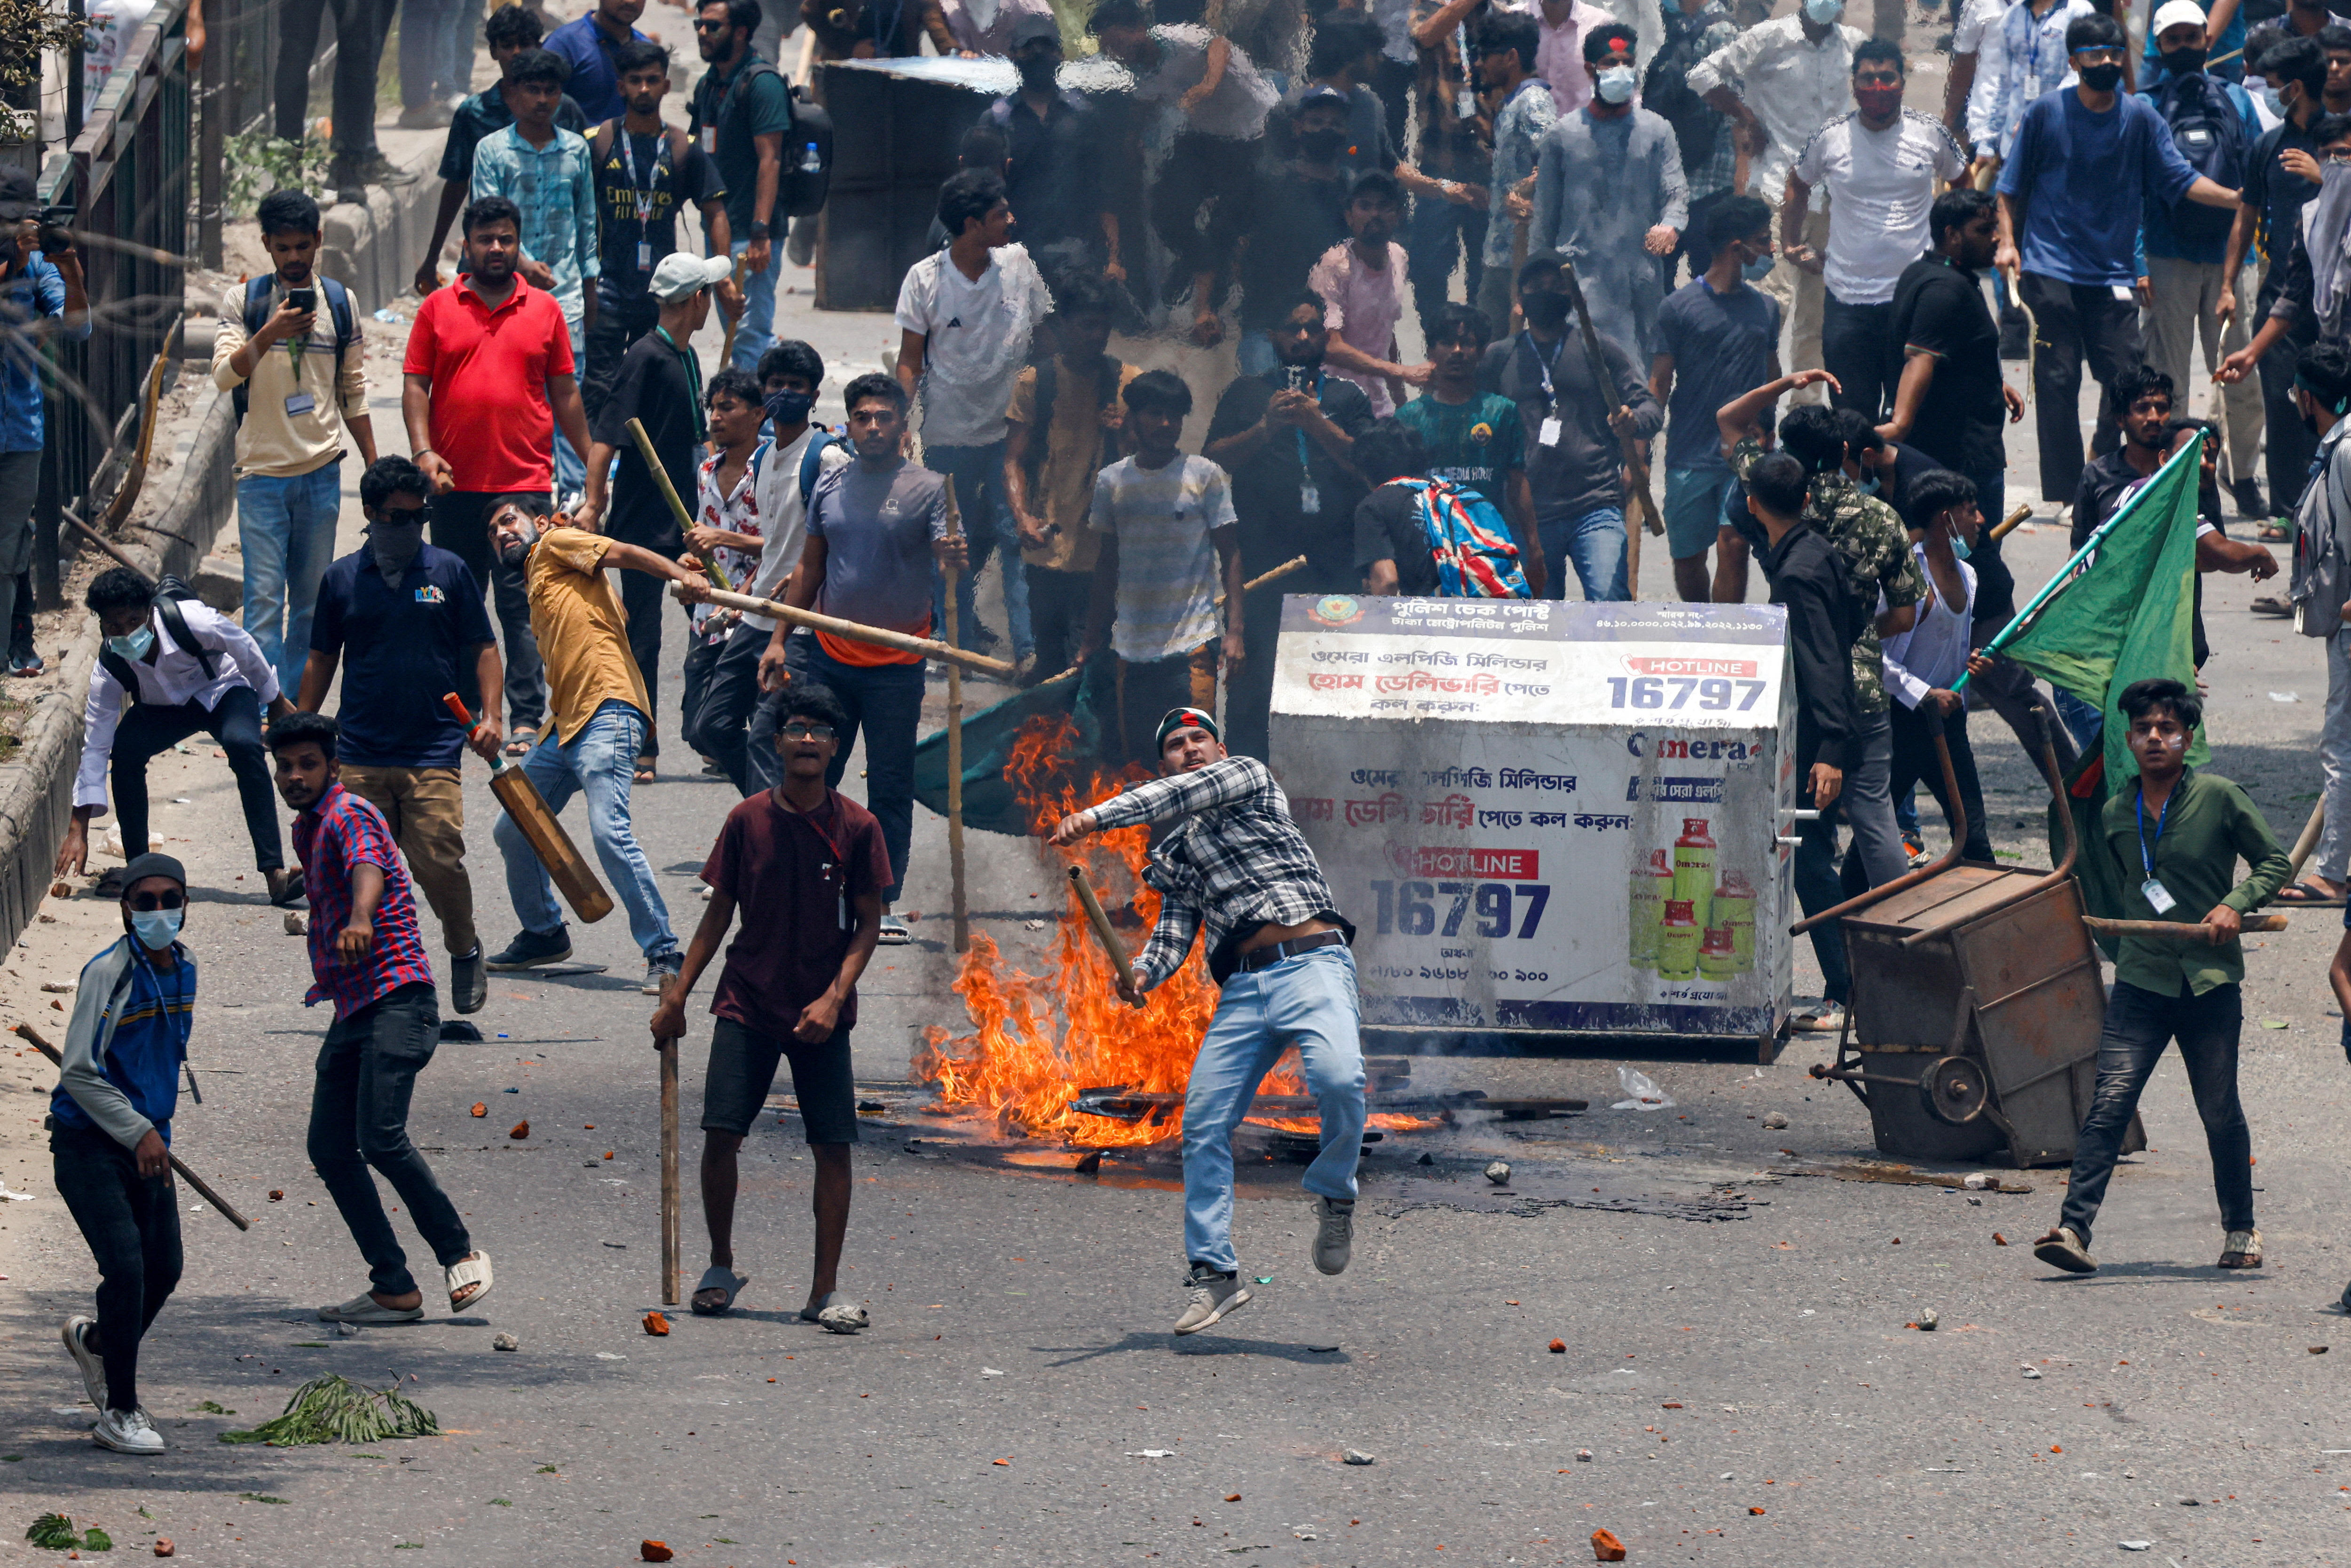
(2073, 322)
(726, 675)
(2290, 446)
(149, 729)
(1198, 170)
(1057, 602)
(1915, 763)
(360, 29)
(132, 1225)
(460, 525)
(1853, 349)
(619, 324)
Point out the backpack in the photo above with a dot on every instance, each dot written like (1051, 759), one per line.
(169, 594)
(806, 173)
(257, 311)
(811, 464)
(1665, 91)
(2210, 131)
(1469, 542)
(1049, 386)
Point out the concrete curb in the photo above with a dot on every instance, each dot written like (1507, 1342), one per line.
(373, 248)
(36, 783)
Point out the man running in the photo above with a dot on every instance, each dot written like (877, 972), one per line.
(1233, 861)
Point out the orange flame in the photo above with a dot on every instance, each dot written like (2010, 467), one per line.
(1040, 1040)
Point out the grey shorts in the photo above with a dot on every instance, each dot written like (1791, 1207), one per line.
(743, 1069)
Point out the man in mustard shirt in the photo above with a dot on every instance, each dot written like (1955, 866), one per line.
(2176, 836)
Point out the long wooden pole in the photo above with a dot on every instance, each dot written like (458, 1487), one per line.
(1120, 963)
(32, 1037)
(666, 1050)
(979, 663)
(2008, 525)
(1637, 470)
(710, 568)
(955, 742)
(2176, 930)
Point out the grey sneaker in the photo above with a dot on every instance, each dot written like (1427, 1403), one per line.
(530, 948)
(469, 983)
(659, 973)
(76, 1334)
(1335, 1233)
(126, 1432)
(1213, 1296)
(2063, 1248)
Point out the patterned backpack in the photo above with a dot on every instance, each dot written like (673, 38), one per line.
(1469, 542)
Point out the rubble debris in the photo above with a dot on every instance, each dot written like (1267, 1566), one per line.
(1499, 1173)
(1357, 1456)
(655, 1550)
(504, 1341)
(1559, 1347)
(1605, 1547)
(1928, 1319)
(655, 1323)
(1775, 1120)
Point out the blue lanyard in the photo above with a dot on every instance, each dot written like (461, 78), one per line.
(1305, 466)
(1550, 398)
(2146, 856)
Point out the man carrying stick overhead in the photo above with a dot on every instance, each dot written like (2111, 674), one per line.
(1231, 860)
(807, 865)
(110, 1133)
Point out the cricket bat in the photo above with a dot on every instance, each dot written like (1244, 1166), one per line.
(545, 834)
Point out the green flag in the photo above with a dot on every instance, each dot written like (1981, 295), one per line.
(2123, 609)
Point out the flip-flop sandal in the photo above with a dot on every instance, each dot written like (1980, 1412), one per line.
(521, 741)
(469, 1280)
(726, 1281)
(2270, 604)
(2242, 1249)
(365, 1309)
(837, 1314)
(2302, 895)
(1827, 1020)
(2271, 533)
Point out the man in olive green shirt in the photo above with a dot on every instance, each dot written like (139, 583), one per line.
(2176, 836)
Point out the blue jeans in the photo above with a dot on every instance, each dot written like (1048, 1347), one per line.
(1310, 1002)
(885, 701)
(1594, 544)
(570, 467)
(978, 475)
(2084, 722)
(285, 528)
(754, 334)
(600, 758)
(2139, 1024)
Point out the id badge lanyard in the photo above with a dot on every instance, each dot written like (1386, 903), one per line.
(644, 200)
(693, 380)
(836, 870)
(1548, 435)
(1309, 497)
(2157, 896)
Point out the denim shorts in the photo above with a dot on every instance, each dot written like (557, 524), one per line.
(1694, 509)
(743, 1070)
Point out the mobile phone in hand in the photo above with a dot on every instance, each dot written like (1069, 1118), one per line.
(302, 299)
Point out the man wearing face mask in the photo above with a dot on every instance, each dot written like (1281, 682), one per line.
(1880, 166)
(1795, 75)
(404, 622)
(2032, 61)
(1056, 143)
(1609, 192)
(1717, 336)
(1506, 49)
(2072, 196)
(1281, 223)
(110, 1135)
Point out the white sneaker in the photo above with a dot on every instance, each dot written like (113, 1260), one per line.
(93, 1371)
(128, 1432)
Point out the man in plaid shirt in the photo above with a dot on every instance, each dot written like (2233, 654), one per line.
(1233, 861)
(368, 959)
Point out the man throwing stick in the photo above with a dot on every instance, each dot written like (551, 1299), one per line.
(808, 866)
(1231, 860)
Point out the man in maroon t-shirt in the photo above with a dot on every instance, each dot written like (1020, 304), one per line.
(808, 867)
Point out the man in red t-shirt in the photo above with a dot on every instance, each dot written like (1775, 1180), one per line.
(808, 866)
(488, 377)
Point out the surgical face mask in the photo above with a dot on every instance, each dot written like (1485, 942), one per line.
(1616, 83)
(1322, 145)
(1760, 268)
(156, 928)
(1822, 12)
(788, 407)
(2184, 62)
(2102, 78)
(1545, 309)
(1869, 484)
(1959, 545)
(134, 646)
(393, 541)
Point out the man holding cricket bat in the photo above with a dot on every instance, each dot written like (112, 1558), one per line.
(110, 1135)
(1230, 858)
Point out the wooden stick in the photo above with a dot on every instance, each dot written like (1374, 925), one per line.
(32, 1037)
(1120, 963)
(2308, 842)
(1644, 506)
(727, 347)
(669, 493)
(955, 743)
(2179, 930)
(666, 1049)
(978, 663)
(1294, 563)
(2008, 524)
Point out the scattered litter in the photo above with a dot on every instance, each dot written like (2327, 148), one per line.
(1033, 925)
(655, 1550)
(163, 1547)
(1152, 1454)
(1582, 1456)
(1998, 1240)
(2134, 1545)
(1264, 1279)
(504, 1341)
(520, 1131)
(182, 801)
(2191, 1502)
(1755, 1510)
(1605, 1547)
(2032, 1372)
(514, 1092)
(608, 1355)
(1499, 1173)
(2318, 1350)
(388, 317)
(1357, 1456)
(1982, 1181)
(333, 1409)
(57, 989)
(989, 1372)
(14, 1197)
(1725, 1476)
(2276, 697)
(655, 1323)
(618, 1245)
(1317, 1349)
(54, 1532)
(1642, 1094)
(1775, 1120)
(294, 925)
(1974, 1201)
(1232, 1497)
(277, 1195)
(2274, 1023)
(347, 1331)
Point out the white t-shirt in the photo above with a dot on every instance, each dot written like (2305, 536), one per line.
(1931, 654)
(1880, 184)
(785, 516)
(1167, 562)
(977, 332)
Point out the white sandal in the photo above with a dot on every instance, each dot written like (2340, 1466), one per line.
(469, 1281)
(838, 1314)
(365, 1309)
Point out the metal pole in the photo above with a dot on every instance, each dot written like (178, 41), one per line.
(212, 109)
(79, 12)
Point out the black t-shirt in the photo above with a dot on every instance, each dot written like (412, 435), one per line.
(400, 651)
(1289, 219)
(1270, 489)
(1939, 308)
(2103, 480)
(665, 183)
(654, 385)
(2276, 195)
(1388, 528)
(1054, 180)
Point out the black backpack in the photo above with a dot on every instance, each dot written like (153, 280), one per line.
(257, 311)
(1665, 91)
(2210, 133)
(169, 595)
(806, 174)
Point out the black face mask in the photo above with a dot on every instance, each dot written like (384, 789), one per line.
(1322, 146)
(2102, 79)
(1546, 310)
(1037, 76)
(2185, 62)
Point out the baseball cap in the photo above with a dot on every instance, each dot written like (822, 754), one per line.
(19, 199)
(2172, 12)
(1323, 94)
(680, 275)
(1187, 718)
(155, 864)
(1028, 29)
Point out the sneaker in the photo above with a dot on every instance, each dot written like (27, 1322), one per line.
(25, 665)
(893, 932)
(469, 986)
(425, 117)
(76, 1334)
(1335, 1233)
(128, 1432)
(659, 973)
(2063, 1248)
(532, 947)
(1213, 1296)
(378, 170)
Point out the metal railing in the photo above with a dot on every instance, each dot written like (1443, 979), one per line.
(126, 177)
(234, 96)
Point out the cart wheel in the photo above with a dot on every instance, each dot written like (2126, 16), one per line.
(1955, 1090)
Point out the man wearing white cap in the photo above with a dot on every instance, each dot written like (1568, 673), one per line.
(2185, 268)
(660, 383)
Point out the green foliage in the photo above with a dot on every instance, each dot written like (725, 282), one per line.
(214, 1407)
(333, 1409)
(258, 162)
(29, 29)
(54, 1532)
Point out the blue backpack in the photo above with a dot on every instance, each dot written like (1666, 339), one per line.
(338, 300)
(1469, 541)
